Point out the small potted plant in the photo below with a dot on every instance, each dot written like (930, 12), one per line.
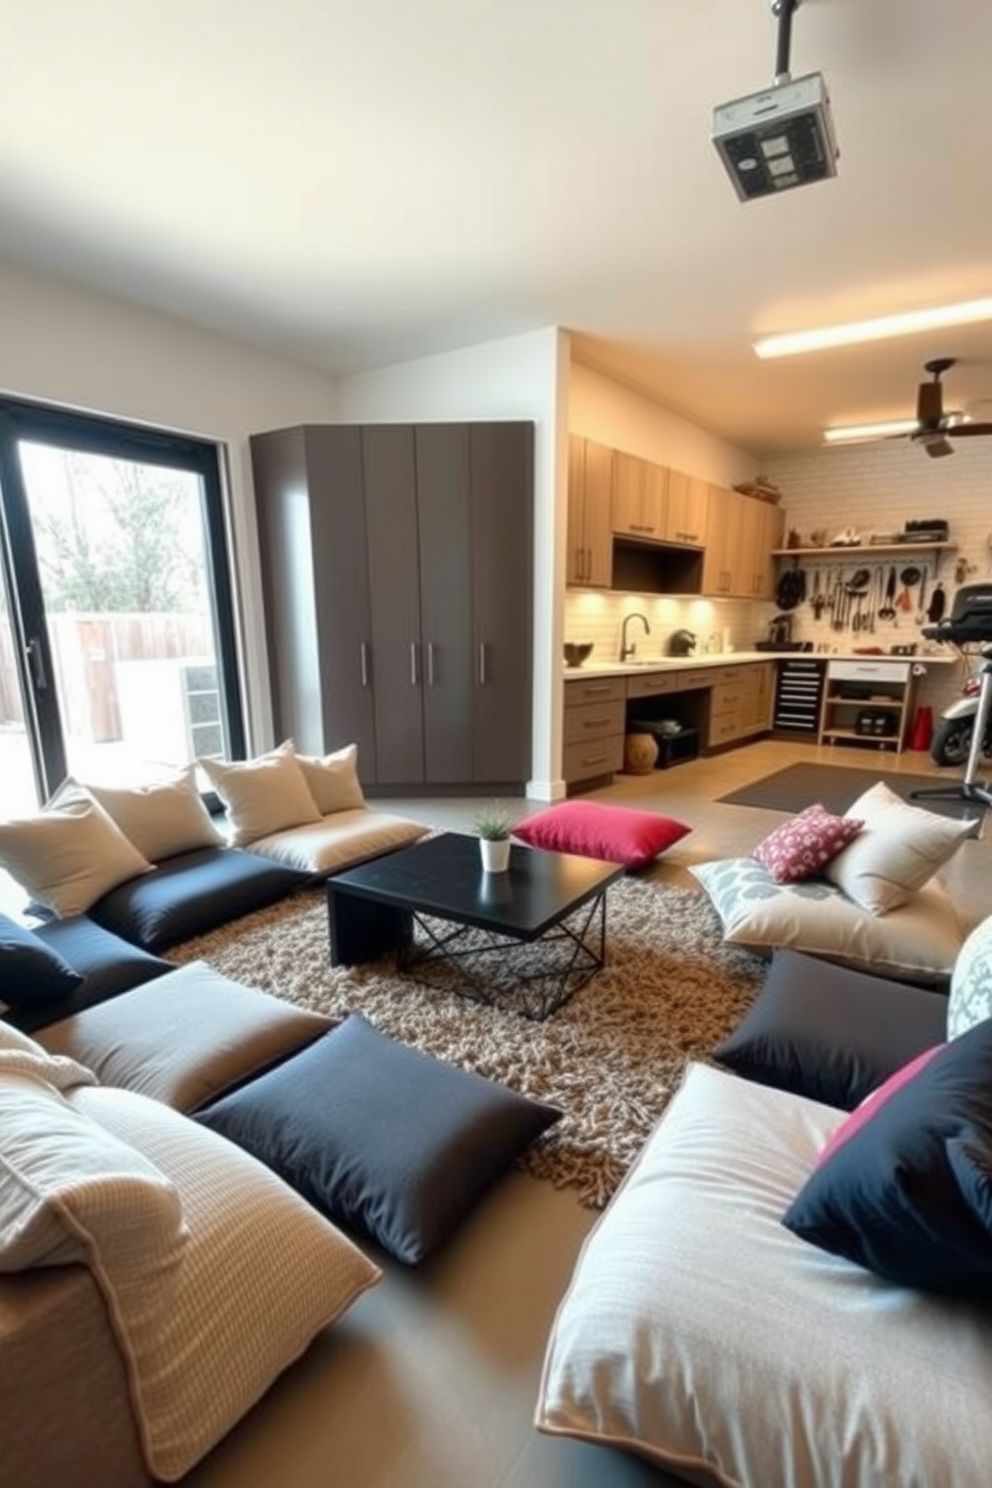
(493, 828)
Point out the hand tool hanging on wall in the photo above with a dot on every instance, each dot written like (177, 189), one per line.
(938, 600)
(921, 608)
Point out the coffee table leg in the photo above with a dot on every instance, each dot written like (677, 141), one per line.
(362, 930)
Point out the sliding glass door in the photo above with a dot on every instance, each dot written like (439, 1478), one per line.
(117, 637)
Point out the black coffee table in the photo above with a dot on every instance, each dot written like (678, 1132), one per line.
(528, 938)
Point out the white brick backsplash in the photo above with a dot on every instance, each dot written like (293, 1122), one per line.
(877, 488)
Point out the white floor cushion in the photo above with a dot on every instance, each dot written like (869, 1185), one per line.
(260, 1274)
(699, 1332)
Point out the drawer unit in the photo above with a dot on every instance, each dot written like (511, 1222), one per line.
(593, 721)
(740, 703)
(652, 684)
(593, 727)
(798, 693)
(594, 690)
(592, 758)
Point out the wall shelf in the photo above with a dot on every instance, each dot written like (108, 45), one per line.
(864, 551)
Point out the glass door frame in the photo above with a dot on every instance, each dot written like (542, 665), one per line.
(45, 424)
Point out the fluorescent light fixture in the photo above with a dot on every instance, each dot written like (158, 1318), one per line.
(906, 324)
(851, 432)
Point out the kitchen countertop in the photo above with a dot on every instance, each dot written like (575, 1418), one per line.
(734, 658)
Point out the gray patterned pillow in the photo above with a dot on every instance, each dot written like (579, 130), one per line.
(921, 937)
(970, 999)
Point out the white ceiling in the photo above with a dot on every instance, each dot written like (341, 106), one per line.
(356, 182)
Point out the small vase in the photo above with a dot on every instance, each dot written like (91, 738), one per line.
(495, 855)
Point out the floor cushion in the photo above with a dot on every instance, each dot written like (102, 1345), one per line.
(698, 1331)
(184, 1038)
(191, 893)
(918, 941)
(341, 840)
(260, 1275)
(107, 965)
(830, 1032)
(389, 1141)
(594, 829)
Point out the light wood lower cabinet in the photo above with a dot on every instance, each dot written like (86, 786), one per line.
(740, 702)
(593, 728)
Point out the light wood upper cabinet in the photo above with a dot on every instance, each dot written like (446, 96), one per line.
(688, 507)
(640, 498)
(723, 563)
(741, 533)
(767, 523)
(590, 502)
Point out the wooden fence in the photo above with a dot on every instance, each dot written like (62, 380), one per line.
(86, 650)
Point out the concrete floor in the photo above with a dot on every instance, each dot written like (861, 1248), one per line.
(430, 1381)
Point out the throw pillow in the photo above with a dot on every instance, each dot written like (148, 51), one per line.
(920, 940)
(384, 1139)
(260, 1275)
(889, 1197)
(800, 847)
(333, 779)
(31, 972)
(971, 985)
(828, 1032)
(184, 1038)
(69, 853)
(71, 1192)
(263, 795)
(900, 849)
(593, 829)
(161, 818)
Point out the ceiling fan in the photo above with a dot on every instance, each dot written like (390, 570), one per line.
(935, 428)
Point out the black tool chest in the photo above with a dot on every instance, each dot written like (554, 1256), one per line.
(798, 693)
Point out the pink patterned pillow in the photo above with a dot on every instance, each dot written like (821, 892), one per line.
(800, 847)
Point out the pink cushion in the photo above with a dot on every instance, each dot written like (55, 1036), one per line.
(801, 846)
(874, 1101)
(618, 834)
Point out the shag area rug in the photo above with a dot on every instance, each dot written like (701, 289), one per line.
(610, 1058)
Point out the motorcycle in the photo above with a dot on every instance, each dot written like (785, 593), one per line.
(951, 743)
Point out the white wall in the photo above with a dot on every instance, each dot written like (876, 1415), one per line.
(611, 414)
(520, 377)
(62, 344)
(878, 488)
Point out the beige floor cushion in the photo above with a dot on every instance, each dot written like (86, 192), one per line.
(261, 1273)
(699, 1332)
(185, 1037)
(341, 840)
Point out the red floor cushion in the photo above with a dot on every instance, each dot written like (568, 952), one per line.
(618, 834)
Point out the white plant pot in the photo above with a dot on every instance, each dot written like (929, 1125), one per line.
(495, 855)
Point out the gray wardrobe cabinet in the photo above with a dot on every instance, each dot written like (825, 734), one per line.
(397, 577)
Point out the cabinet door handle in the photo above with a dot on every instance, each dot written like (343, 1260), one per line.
(36, 661)
(413, 664)
(363, 654)
(482, 664)
(430, 663)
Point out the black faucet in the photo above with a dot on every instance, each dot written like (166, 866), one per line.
(628, 648)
